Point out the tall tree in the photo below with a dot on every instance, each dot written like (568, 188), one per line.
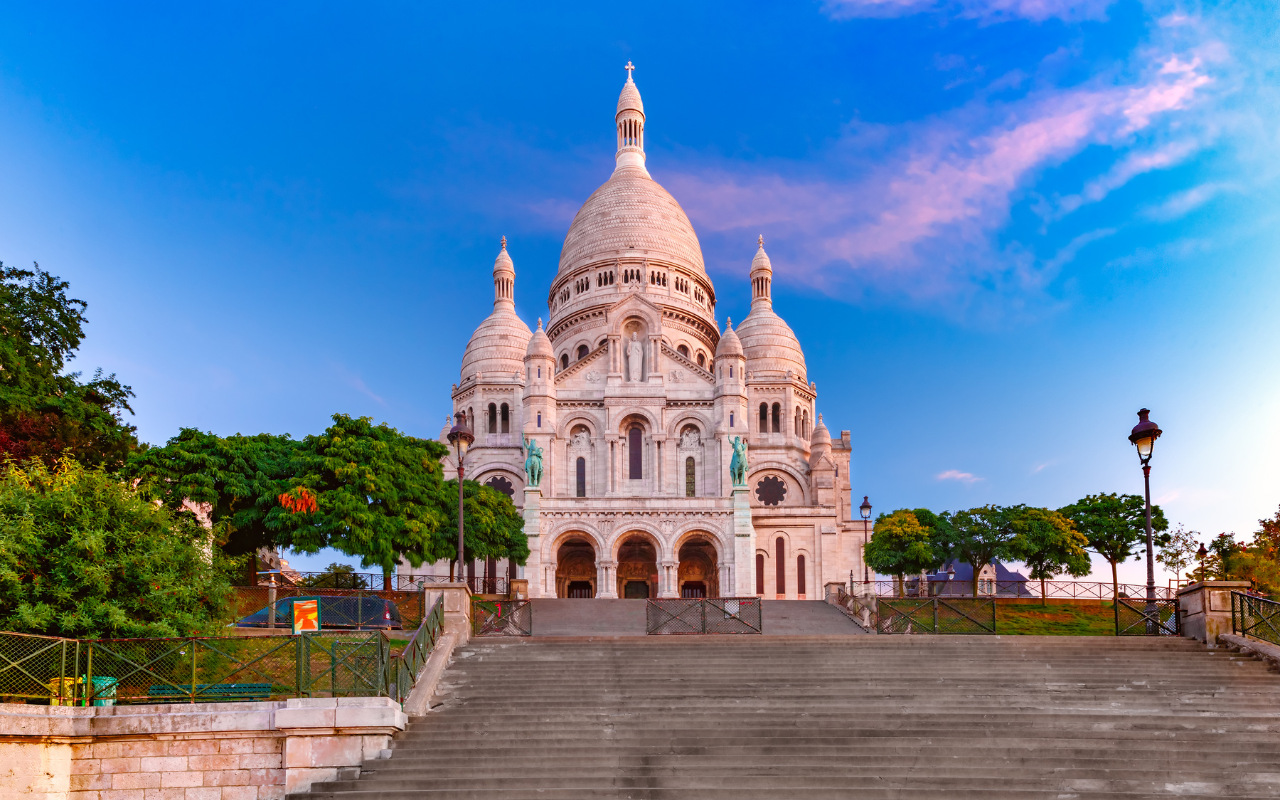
(900, 546)
(1049, 545)
(1115, 525)
(981, 536)
(492, 525)
(83, 554)
(1178, 551)
(379, 494)
(45, 412)
(240, 477)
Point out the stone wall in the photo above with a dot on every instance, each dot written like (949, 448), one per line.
(200, 751)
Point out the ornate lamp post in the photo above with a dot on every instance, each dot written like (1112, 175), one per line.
(460, 437)
(1144, 437)
(865, 510)
(1200, 554)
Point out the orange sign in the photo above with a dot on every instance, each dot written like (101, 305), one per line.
(306, 616)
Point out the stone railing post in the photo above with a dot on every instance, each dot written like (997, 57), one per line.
(1206, 608)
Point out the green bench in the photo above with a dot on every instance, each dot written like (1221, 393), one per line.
(212, 693)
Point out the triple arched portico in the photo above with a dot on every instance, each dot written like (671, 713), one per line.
(637, 562)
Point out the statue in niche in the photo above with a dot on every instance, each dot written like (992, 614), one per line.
(532, 463)
(635, 358)
(738, 464)
(690, 438)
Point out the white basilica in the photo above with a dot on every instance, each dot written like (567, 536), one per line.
(635, 395)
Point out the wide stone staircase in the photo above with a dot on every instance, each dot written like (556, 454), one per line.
(877, 717)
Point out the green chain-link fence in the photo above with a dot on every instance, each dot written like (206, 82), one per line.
(42, 669)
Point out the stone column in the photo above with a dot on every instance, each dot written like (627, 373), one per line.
(666, 587)
(532, 527)
(606, 580)
(1205, 608)
(744, 543)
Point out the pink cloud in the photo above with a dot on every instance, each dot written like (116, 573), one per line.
(1035, 10)
(957, 475)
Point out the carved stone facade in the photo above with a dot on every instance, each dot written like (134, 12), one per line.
(634, 393)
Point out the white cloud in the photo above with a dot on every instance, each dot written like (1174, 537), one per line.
(957, 475)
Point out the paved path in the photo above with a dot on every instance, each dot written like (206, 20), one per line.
(627, 618)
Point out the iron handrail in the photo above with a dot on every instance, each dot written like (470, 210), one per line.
(1255, 616)
(1030, 589)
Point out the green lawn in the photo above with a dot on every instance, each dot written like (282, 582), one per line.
(1055, 619)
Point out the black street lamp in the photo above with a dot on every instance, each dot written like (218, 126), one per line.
(460, 437)
(1144, 437)
(865, 510)
(1200, 554)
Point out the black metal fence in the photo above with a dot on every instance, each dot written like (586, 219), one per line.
(501, 617)
(57, 671)
(1255, 616)
(939, 586)
(1157, 617)
(698, 615)
(942, 615)
(377, 582)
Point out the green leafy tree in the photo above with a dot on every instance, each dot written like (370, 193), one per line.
(335, 576)
(1267, 537)
(240, 477)
(1252, 564)
(1178, 551)
(1115, 526)
(1049, 544)
(83, 554)
(492, 525)
(981, 536)
(45, 412)
(901, 546)
(379, 494)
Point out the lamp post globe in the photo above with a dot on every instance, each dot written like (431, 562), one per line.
(461, 437)
(1143, 436)
(865, 511)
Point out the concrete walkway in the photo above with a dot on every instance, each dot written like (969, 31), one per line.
(554, 617)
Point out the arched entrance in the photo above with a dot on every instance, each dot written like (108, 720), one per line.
(637, 567)
(699, 571)
(576, 568)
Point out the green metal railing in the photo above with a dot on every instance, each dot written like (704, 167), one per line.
(1255, 616)
(57, 671)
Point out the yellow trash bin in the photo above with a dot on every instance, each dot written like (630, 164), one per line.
(66, 697)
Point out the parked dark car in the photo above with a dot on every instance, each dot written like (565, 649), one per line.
(336, 613)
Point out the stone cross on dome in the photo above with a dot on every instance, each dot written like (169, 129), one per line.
(630, 68)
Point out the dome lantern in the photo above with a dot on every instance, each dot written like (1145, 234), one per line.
(630, 124)
(504, 279)
(761, 277)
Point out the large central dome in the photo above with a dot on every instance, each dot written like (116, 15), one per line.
(631, 212)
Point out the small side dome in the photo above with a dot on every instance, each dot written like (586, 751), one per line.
(498, 344)
(729, 345)
(539, 345)
(821, 436)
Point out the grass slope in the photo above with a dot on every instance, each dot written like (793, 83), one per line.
(1055, 619)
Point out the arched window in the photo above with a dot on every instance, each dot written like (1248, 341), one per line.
(683, 350)
(777, 418)
(804, 427)
(730, 419)
(797, 422)
(539, 419)
(581, 468)
(582, 351)
(635, 454)
(730, 370)
(800, 574)
(471, 419)
(493, 418)
(603, 342)
(764, 417)
(760, 573)
(780, 571)
(690, 478)
(506, 419)
(702, 360)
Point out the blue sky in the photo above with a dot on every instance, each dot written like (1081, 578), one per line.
(999, 228)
